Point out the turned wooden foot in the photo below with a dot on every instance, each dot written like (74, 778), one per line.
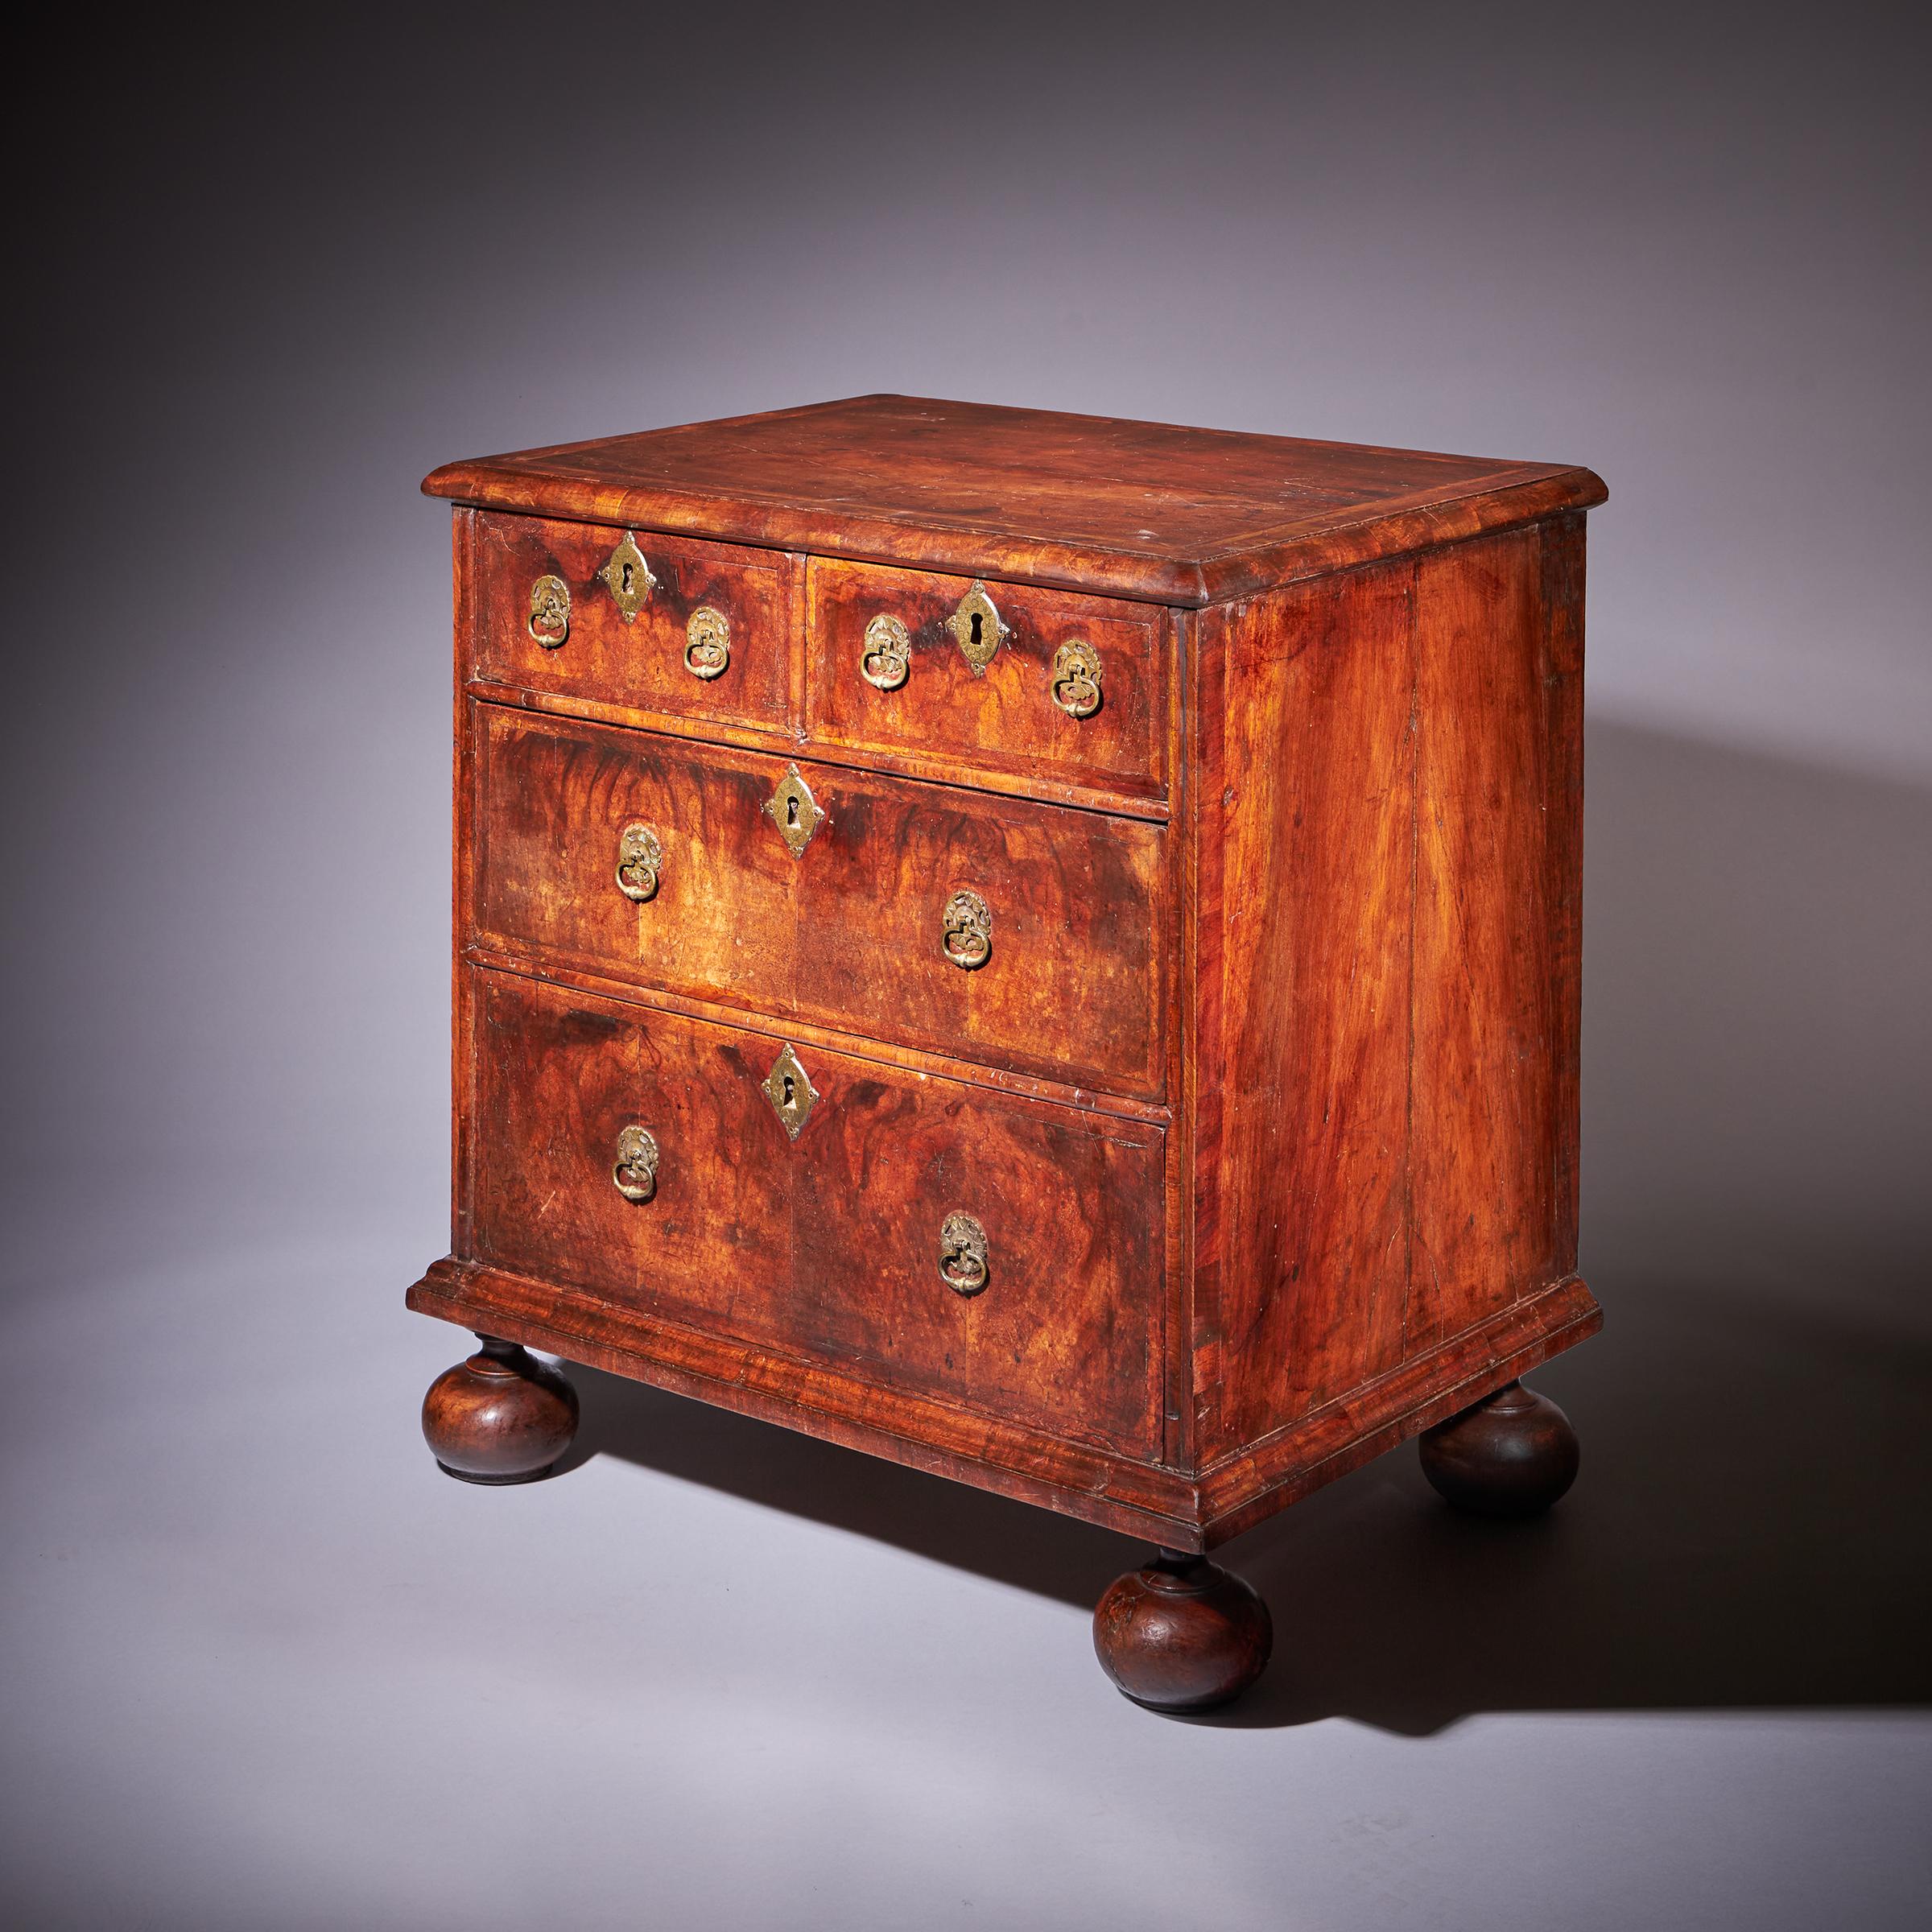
(1511, 1454)
(1181, 1633)
(500, 1417)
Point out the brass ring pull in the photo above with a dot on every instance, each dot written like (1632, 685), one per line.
(962, 1264)
(966, 930)
(639, 858)
(708, 652)
(1076, 678)
(886, 661)
(635, 1174)
(549, 622)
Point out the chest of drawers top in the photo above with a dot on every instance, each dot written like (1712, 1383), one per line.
(1145, 511)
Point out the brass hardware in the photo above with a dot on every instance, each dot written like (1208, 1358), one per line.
(708, 653)
(639, 855)
(789, 1088)
(967, 931)
(977, 629)
(963, 1266)
(794, 811)
(1076, 678)
(629, 578)
(635, 1176)
(887, 658)
(549, 611)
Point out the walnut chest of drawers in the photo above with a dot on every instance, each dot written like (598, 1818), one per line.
(1040, 947)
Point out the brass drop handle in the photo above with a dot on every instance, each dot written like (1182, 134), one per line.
(639, 858)
(966, 932)
(707, 643)
(886, 661)
(962, 1264)
(1076, 678)
(635, 1174)
(549, 620)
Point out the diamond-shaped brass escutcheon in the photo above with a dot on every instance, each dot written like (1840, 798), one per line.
(796, 812)
(790, 1091)
(629, 578)
(977, 629)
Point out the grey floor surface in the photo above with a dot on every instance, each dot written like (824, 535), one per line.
(269, 1669)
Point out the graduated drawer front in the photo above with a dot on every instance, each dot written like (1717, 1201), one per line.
(1006, 715)
(828, 1246)
(852, 933)
(647, 662)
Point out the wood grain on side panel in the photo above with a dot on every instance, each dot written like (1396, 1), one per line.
(1498, 790)
(1314, 824)
(1563, 560)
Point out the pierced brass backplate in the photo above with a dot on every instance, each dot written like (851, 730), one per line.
(966, 930)
(887, 658)
(635, 1174)
(962, 1253)
(629, 578)
(977, 629)
(789, 1088)
(794, 811)
(639, 858)
(1076, 678)
(708, 645)
(549, 611)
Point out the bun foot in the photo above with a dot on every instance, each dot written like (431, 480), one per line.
(1512, 1453)
(1181, 1633)
(500, 1417)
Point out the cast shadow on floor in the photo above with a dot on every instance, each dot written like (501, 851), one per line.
(1750, 1529)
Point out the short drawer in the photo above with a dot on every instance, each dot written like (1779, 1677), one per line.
(1069, 691)
(646, 622)
(1000, 1253)
(997, 929)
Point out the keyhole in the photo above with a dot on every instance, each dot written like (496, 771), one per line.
(627, 572)
(978, 620)
(789, 1100)
(791, 818)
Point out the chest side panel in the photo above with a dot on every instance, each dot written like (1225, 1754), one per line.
(1304, 1082)
(1388, 935)
(1498, 880)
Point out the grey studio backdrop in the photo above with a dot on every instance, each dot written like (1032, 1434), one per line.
(267, 1669)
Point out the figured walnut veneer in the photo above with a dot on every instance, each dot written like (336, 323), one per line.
(1253, 1064)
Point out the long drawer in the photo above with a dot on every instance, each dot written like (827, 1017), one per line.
(1034, 936)
(1001, 1253)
